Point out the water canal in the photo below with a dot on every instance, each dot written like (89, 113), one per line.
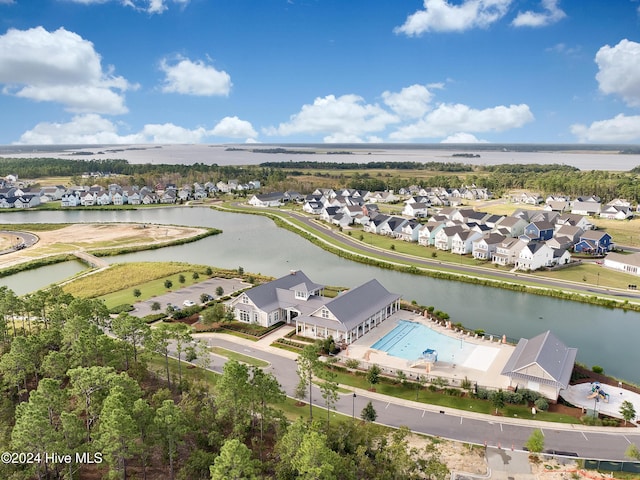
(604, 337)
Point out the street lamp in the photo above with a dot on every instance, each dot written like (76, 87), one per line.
(353, 406)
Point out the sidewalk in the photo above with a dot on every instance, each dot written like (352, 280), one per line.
(264, 344)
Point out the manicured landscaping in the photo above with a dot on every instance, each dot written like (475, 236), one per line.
(231, 355)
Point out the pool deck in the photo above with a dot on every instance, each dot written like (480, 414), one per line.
(488, 376)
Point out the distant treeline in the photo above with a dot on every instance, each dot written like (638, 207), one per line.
(527, 168)
(430, 166)
(35, 168)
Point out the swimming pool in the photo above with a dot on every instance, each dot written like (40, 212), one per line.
(409, 339)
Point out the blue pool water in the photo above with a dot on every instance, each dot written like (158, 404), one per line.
(409, 339)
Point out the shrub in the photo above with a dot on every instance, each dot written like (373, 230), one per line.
(482, 394)
(597, 369)
(125, 307)
(541, 404)
(352, 363)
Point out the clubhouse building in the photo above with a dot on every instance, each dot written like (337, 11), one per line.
(295, 299)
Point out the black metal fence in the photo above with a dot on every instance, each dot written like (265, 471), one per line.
(611, 466)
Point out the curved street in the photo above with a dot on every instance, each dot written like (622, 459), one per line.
(607, 443)
(355, 247)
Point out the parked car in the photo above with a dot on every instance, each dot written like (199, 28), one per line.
(188, 303)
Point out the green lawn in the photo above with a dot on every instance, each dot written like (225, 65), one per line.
(255, 362)
(424, 395)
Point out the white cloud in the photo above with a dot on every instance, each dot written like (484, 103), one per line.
(233, 127)
(149, 6)
(411, 102)
(347, 116)
(552, 14)
(448, 119)
(61, 67)
(82, 129)
(94, 129)
(462, 137)
(619, 71)
(194, 78)
(619, 129)
(441, 16)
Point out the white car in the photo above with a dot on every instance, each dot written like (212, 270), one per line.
(188, 303)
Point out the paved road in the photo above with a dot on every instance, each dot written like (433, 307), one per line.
(507, 433)
(352, 243)
(23, 239)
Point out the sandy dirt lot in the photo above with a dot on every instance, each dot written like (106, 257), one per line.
(83, 237)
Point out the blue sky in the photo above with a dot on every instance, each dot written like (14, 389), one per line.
(314, 71)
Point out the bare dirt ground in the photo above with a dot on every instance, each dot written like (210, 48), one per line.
(82, 237)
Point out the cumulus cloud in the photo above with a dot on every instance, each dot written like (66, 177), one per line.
(551, 14)
(619, 71)
(60, 67)
(441, 16)
(462, 137)
(448, 119)
(619, 129)
(233, 127)
(194, 78)
(346, 117)
(411, 102)
(149, 6)
(94, 129)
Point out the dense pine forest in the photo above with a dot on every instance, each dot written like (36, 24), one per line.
(80, 403)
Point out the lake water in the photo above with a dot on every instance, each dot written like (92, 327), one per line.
(604, 337)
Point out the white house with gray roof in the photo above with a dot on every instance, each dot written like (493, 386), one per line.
(542, 363)
(295, 299)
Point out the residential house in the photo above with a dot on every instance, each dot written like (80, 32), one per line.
(409, 231)
(543, 364)
(573, 219)
(383, 197)
(508, 251)
(328, 213)
(168, 196)
(444, 237)
(427, 232)
(392, 225)
(560, 206)
(118, 198)
(484, 248)
(537, 231)
(87, 199)
(616, 212)
(625, 263)
(462, 242)
(313, 207)
(376, 222)
(535, 255)
(594, 242)
(415, 210)
(586, 208)
(27, 201)
(511, 226)
(70, 200)
(342, 219)
(274, 199)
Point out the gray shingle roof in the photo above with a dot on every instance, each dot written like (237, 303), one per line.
(354, 306)
(267, 293)
(547, 351)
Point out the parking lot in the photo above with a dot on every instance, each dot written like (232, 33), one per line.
(192, 293)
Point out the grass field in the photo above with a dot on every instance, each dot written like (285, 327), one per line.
(116, 283)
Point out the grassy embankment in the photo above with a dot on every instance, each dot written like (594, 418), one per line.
(522, 282)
